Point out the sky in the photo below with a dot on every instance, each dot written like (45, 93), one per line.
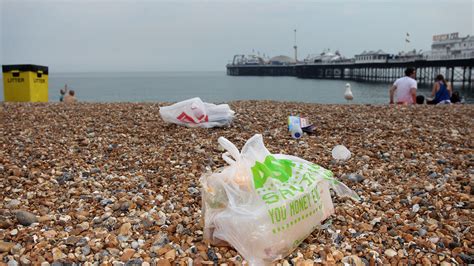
(192, 35)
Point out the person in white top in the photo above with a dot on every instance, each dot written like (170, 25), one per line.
(405, 88)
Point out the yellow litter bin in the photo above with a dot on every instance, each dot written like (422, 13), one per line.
(25, 83)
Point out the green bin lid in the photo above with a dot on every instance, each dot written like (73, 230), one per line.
(24, 68)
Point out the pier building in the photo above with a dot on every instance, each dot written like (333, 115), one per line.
(451, 55)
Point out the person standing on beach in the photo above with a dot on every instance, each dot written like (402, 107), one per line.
(405, 88)
(70, 98)
(62, 93)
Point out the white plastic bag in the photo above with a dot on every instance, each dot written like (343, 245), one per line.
(196, 113)
(264, 204)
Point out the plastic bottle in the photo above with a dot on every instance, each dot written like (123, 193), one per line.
(294, 126)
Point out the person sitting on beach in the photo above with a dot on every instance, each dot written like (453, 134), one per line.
(441, 91)
(405, 88)
(70, 98)
(63, 92)
(456, 97)
(420, 99)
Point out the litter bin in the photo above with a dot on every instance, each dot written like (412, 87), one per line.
(25, 83)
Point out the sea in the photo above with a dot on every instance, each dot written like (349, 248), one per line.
(216, 87)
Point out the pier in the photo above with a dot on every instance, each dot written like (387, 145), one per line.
(456, 71)
(260, 70)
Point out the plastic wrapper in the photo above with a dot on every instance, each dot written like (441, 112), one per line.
(196, 113)
(263, 204)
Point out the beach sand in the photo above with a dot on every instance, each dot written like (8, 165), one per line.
(113, 182)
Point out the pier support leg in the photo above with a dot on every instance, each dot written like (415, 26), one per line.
(463, 76)
(425, 78)
(470, 78)
(452, 76)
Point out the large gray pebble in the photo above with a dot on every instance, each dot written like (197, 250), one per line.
(26, 218)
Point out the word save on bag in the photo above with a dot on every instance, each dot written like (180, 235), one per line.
(264, 204)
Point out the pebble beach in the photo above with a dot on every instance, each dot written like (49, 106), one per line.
(112, 184)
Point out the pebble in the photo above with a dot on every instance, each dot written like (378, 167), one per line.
(81, 242)
(83, 226)
(161, 218)
(193, 190)
(127, 254)
(95, 170)
(125, 229)
(422, 232)
(58, 254)
(415, 208)
(353, 260)
(354, 178)
(13, 204)
(170, 255)
(337, 255)
(12, 263)
(429, 187)
(6, 246)
(86, 250)
(26, 218)
(110, 177)
(24, 261)
(390, 253)
(433, 175)
(136, 262)
(425, 261)
(467, 258)
(16, 249)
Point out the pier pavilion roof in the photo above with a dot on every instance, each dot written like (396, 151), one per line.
(283, 59)
(379, 52)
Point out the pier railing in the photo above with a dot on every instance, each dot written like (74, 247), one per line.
(451, 57)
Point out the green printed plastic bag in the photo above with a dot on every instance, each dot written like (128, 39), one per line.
(264, 204)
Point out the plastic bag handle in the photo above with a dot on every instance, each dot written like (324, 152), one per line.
(227, 158)
(231, 150)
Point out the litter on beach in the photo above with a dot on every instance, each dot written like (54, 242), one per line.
(294, 126)
(306, 126)
(340, 152)
(264, 204)
(119, 177)
(196, 113)
(297, 125)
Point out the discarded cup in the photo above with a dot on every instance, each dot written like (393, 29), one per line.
(340, 152)
(306, 126)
